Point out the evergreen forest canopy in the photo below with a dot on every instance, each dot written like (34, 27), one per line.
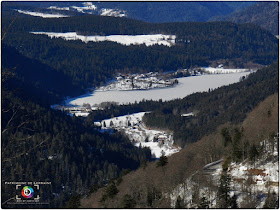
(92, 64)
(185, 11)
(42, 144)
(38, 71)
(255, 14)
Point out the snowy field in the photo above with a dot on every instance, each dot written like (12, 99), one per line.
(40, 14)
(112, 12)
(87, 7)
(158, 141)
(148, 40)
(186, 86)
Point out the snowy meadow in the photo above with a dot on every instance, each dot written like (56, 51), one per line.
(148, 40)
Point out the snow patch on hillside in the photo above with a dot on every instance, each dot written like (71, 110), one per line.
(87, 7)
(221, 70)
(59, 8)
(148, 40)
(112, 12)
(43, 15)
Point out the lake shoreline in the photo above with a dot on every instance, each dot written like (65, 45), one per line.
(185, 87)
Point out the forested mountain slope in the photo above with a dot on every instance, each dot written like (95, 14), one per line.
(230, 103)
(151, 185)
(41, 144)
(176, 11)
(33, 79)
(264, 14)
(210, 109)
(146, 11)
(92, 64)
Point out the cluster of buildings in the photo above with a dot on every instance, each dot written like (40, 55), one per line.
(139, 82)
(140, 135)
(77, 110)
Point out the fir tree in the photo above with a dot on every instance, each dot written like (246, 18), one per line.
(224, 189)
(162, 161)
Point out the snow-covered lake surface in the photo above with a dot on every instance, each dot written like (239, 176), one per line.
(148, 40)
(186, 86)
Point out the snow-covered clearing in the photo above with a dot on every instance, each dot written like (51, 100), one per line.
(186, 86)
(191, 114)
(112, 12)
(158, 141)
(87, 7)
(59, 8)
(43, 15)
(211, 70)
(148, 40)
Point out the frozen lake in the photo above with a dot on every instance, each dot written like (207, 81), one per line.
(186, 86)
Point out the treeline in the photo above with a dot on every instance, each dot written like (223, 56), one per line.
(40, 144)
(92, 64)
(213, 108)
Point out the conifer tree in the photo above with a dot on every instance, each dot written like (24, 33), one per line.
(224, 188)
(162, 161)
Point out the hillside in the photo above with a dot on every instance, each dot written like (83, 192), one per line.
(160, 12)
(215, 107)
(53, 52)
(34, 79)
(156, 12)
(44, 145)
(149, 186)
(263, 14)
(196, 44)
